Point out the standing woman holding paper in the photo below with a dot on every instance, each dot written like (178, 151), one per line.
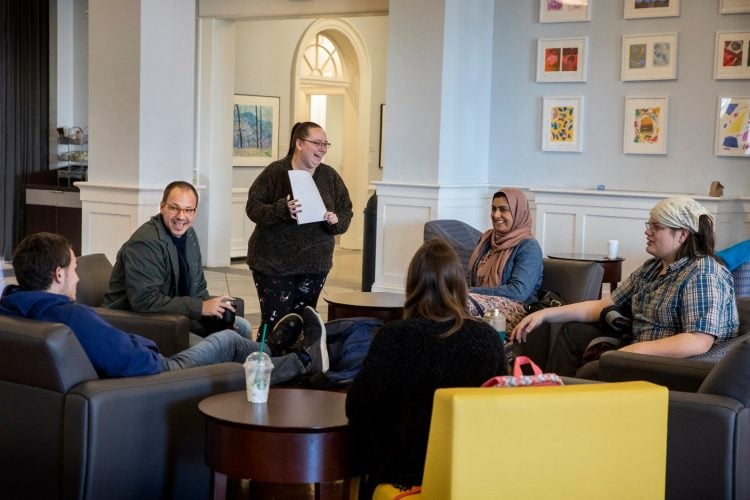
(290, 260)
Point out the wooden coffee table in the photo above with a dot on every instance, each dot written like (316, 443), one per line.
(300, 436)
(382, 305)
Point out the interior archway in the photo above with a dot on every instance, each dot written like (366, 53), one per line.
(355, 112)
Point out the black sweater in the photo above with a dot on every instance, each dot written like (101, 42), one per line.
(278, 245)
(389, 404)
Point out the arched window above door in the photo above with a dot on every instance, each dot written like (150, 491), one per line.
(321, 60)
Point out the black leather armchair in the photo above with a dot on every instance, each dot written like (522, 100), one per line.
(459, 235)
(708, 441)
(171, 332)
(677, 374)
(68, 434)
(575, 282)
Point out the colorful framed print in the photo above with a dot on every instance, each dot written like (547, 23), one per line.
(638, 9)
(732, 56)
(649, 57)
(255, 130)
(561, 59)
(733, 127)
(562, 119)
(734, 6)
(646, 125)
(564, 11)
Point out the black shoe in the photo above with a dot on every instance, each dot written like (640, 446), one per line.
(285, 333)
(314, 341)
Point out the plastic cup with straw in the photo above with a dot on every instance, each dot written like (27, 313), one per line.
(258, 368)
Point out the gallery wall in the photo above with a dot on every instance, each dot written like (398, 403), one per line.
(690, 164)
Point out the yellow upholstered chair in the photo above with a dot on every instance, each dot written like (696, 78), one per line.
(560, 442)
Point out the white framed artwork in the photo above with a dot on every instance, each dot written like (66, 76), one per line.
(564, 11)
(646, 125)
(649, 57)
(561, 59)
(638, 9)
(562, 119)
(732, 55)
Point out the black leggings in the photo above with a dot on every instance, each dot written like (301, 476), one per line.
(281, 295)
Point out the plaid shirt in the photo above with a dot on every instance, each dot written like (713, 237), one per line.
(693, 296)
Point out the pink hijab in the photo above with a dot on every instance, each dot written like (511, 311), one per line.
(490, 270)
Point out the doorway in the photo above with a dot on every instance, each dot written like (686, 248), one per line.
(332, 79)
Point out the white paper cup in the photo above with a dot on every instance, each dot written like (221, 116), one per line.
(258, 367)
(612, 246)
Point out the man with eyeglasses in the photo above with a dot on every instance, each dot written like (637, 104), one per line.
(160, 269)
(678, 304)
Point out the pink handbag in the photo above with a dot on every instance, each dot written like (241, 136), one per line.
(518, 379)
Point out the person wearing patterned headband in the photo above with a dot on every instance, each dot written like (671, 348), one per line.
(681, 302)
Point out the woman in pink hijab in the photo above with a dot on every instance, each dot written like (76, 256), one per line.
(505, 269)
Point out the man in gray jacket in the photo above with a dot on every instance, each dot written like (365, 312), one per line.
(159, 269)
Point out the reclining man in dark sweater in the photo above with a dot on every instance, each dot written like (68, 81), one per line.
(45, 268)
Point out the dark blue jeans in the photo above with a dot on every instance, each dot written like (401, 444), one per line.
(227, 345)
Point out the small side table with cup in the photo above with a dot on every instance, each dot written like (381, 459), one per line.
(299, 436)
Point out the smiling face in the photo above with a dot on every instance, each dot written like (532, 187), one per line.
(664, 242)
(310, 151)
(501, 216)
(178, 212)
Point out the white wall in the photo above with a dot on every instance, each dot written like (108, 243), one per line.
(690, 165)
(264, 57)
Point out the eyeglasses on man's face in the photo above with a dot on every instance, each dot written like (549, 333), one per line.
(319, 144)
(175, 210)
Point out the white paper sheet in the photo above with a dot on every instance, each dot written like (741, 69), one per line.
(305, 190)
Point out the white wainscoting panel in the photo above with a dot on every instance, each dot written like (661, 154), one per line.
(582, 221)
(242, 226)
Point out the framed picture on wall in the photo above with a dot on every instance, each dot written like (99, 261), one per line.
(255, 130)
(733, 127)
(734, 6)
(561, 59)
(637, 9)
(649, 57)
(646, 125)
(732, 56)
(562, 119)
(564, 11)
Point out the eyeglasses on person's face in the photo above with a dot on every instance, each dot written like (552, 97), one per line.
(655, 226)
(319, 144)
(175, 210)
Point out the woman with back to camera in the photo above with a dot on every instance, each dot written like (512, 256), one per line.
(505, 269)
(437, 344)
(290, 261)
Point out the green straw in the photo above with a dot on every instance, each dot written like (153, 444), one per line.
(263, 336)
(260, 353)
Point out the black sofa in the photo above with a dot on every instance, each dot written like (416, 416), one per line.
(68, 434)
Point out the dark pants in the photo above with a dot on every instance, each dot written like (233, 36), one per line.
(281, 295)
(567, 354)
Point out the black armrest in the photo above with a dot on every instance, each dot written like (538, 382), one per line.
(148, 432)
(677, 374)
(171, 332)
(706, 452)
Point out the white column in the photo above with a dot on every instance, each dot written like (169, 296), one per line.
(436, 142)
(216, 56)
(141, 114)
